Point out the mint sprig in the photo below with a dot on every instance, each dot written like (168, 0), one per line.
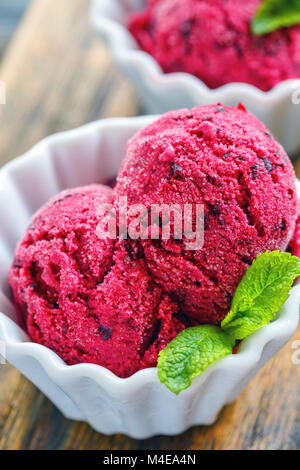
(190, 353)
(275, 14)
(260, 294)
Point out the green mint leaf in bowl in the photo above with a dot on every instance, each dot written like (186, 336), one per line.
(190, 353)
(259, 296)
(261, 293)
(275, 14)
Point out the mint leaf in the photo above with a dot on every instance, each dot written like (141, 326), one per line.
(261, 293)
(190, 353)
(275, 14)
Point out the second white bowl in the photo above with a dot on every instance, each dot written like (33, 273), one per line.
(161, 92)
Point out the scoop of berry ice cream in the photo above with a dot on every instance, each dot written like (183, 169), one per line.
(226, 160)
(89, 299)
(295, 242)
(212, 40)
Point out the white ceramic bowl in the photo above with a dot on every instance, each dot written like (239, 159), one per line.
(160, 92)
(139, 406)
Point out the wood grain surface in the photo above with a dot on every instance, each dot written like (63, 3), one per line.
(59, 76)
(10, 14)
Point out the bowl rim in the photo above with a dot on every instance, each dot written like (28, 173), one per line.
(17, 341)
(114, 31)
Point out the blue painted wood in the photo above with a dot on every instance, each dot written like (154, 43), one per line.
(11, 12)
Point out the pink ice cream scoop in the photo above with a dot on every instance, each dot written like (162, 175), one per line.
(212, 40)
(295, 242)
(89, 299)
(226, 160)
(118, 302)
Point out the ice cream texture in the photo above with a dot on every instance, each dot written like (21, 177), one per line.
(87, 299)
(118, 302)
(225, 159)
(212, 40)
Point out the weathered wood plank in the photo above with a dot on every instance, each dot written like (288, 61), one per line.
(11, 12)
(59, 76)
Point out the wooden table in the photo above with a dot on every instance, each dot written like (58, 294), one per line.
(10, 14)
(59, 76)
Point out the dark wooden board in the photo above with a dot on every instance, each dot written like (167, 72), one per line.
(59, 76)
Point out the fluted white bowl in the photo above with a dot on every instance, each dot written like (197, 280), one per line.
(139, 406)
(161, 92)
